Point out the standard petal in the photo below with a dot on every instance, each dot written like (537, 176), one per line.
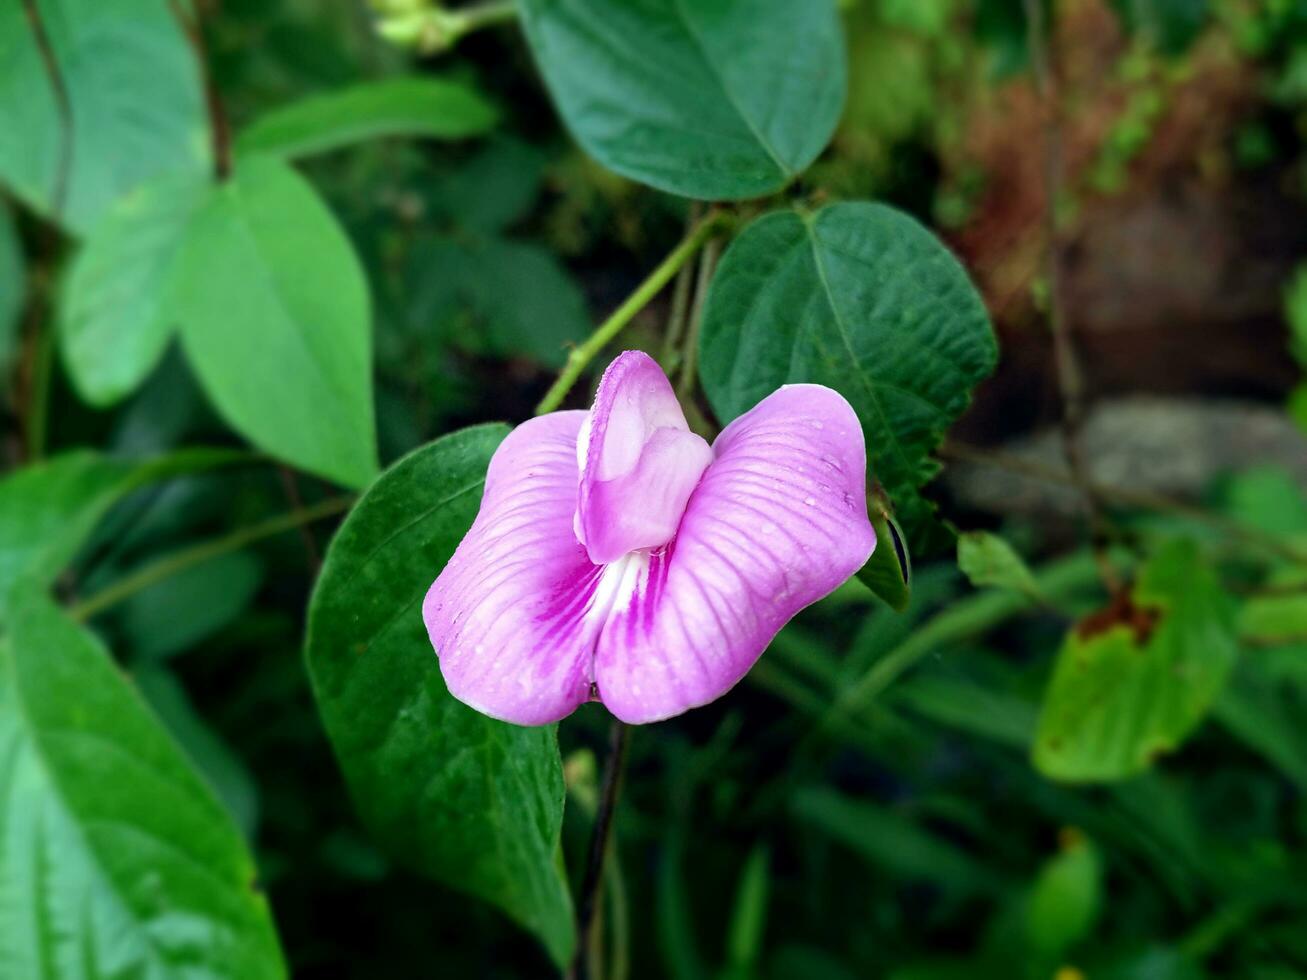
(778, 521)
(510, 616)
(639, 461)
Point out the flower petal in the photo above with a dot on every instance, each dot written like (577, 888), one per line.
(778, 521)
(511, 615)
(639, 461)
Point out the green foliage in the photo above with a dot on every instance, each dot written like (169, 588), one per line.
(1132, 682)
(1171, 25)
(749, 918)
(861, 298)
(13, 288)
(421, 107)
(185, 609)
(718, 99)
(117, 314)
(127, 863)
(126, 106)
(51, 508)
(441, 785)
(1065, 901)
(863, 803)
(988, 560)
(888, 572)
(275, 318)
(213, 760)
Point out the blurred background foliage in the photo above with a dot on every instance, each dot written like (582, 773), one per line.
(865, 804)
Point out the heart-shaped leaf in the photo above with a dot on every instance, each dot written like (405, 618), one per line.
(712, 99)
(474, 802)
(863, 299)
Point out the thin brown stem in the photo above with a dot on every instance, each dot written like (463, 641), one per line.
(1070, 379)
(219, 125)
(588, 900)
(1125, 496)
(296, 501)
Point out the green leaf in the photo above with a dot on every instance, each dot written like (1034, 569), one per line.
(184, 609)
(425, 107)
(889, 841)
(888, 572)
(471, 801)
(13, 293)
(749, 918)
(495, 188)
(1297, 406)
(115, 319)
(1065, 901)
(520, 300)
(988, 560)
(1134, 680)
(118, 859)
(710, 99)
(275, 320)
(50, 508)
(213, 759)
(135, 103)
(863, 299)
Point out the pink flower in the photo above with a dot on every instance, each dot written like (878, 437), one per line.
(617, 556)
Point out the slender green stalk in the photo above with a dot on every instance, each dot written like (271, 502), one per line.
(581, 356)
(690, 359)
(180, 561)
(968, 618)
(680, 311)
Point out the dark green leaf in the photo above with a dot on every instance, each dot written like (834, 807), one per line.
(50, 508)
(711, 99)
(1133, 681)
(213, 759)
(275, 319)
(115, 319)
(186, 608)
(13, 293)
(134, 97)
(118, 861)
(424, 107)
(474, 802)
(888, 572)
(890, 841)
(1171, 25)
(495, 188)
(860, 298)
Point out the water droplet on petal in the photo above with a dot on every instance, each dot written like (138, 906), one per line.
(810, 501)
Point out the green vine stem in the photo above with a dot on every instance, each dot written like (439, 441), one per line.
(581, 356)
(180, 561)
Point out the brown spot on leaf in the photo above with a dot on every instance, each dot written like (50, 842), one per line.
(1121, 611)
